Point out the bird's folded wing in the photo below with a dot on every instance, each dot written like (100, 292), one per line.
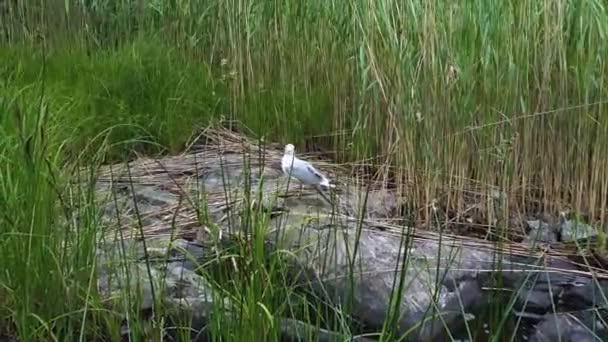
(312, 170)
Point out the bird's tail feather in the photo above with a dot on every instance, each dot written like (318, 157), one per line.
(326, 184)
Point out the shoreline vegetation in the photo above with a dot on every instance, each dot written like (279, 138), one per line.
(438, 102)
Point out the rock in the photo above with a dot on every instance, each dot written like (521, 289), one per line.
(578, 327)
(168, 276)
(572, 230)
(352, 266)
(293, 330)
(441, 274)
(563, 231)
(585, 293)
(541, 231)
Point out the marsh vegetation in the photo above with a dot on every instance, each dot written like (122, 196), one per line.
(447, 105)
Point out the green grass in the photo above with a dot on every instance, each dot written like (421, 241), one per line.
(130, 99)
(46, 269)
(453, 96)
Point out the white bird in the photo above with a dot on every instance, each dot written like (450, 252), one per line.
(302, 170)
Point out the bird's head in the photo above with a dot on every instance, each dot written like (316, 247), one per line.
(289, 149)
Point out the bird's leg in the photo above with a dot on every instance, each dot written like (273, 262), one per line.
(320, 191)
(300, 192)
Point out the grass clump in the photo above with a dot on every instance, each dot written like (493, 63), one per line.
(47, 259)
(143, 97)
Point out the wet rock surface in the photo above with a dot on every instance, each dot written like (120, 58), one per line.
(188, 204)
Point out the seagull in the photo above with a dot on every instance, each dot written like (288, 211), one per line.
(302, 170)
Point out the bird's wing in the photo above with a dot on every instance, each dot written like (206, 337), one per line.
(312, 170)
